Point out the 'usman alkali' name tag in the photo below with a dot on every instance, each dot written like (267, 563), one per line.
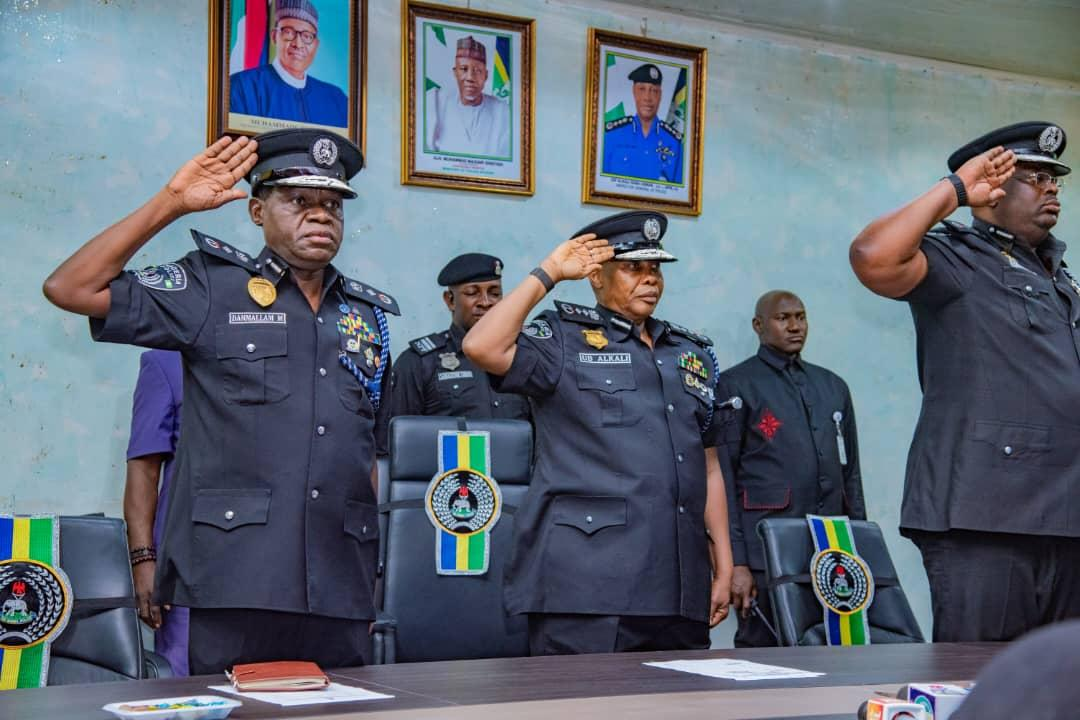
(604, 358)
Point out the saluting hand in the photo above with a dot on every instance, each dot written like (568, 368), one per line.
(984, 174)
(207, 180)
(577, 257)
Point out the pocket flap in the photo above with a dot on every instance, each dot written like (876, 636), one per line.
(589, 514)
(251, 342)
(231, 508)
(1013, 439)
(1025, 282)
(606, 379)
(766, 498)
(361, 520)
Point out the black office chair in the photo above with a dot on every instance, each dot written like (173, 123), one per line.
(102, 641)
(424, 615)
(796, 610)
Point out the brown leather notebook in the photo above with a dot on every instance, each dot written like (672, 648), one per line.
(278, 676)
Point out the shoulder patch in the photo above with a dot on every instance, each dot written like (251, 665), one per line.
(213, 246)
(428, 343)
(578, 313)
(618, 123)
(360, 291)
(672, 131)
(680, 330)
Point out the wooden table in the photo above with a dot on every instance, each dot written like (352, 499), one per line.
(558, 688)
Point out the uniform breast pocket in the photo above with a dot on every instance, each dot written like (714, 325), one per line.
(354, 396)
(607, 396)
(1031, 302)
(452, 385)
(254, 363)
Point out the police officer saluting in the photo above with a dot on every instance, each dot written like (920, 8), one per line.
(271, 531)
(642, 145)
(432, 376)
(613, 542)
(993, 473)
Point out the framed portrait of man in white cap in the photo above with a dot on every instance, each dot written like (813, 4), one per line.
(467, 99)
(644, 114)
(279, 64)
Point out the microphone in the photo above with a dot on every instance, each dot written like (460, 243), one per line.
(734, 402)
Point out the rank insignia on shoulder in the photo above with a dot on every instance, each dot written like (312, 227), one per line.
(690, 361)
(680, 330)
(539, 329)
(357, 289)
(579, 313)
(169, 276)
(674, 133)
(595, 338)
(217, 248)
(428, 343)
(624, 120)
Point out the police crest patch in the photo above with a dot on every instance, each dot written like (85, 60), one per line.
(449, 360)
(1050, 139)
(169, 276)
(324, 152)
(538, 329)
(841, 580)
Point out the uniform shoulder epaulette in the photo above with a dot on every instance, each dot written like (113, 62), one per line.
(618, 123)
(429, 343)
(578, 313)
(360, 291)
(674, 133)
(680, 330)
(217, 248)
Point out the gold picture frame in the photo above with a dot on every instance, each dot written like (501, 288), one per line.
(638, 160)
(248, 93)
(485, 143)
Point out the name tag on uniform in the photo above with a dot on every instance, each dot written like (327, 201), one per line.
(604, 358)
(456, 375)
(256, 318)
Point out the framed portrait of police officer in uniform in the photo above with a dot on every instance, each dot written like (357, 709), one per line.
(644, 115)
(467, 99)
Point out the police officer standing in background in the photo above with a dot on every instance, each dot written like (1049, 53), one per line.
(793, 451)
(271, 533)
(993, 474)
(626, 506)
(432, 376)
(643, 145)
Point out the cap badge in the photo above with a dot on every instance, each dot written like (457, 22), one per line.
(651, 229)
(262, 291)
(595, 338)
(324, 151)
(498, 268)
(1050, 139)
(449, 361)
(654, 73)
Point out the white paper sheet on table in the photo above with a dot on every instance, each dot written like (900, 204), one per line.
(735, 669)
(336, 692)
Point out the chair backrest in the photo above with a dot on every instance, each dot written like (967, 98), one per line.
(796, 610)
(102, 640)
(443, 617)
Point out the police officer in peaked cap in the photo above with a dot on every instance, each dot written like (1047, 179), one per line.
(993, 469)
(626, 520)
(432, 376)
(642, 145)
(271, 532)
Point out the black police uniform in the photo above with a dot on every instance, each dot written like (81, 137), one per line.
(271, 534)
(783, 447)
(993, 470)
(610, 550)
(434, 377)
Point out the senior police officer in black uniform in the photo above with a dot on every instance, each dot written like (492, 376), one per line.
(432, 376)
(993, 473)
(612, 544)
(271, 533)
(792, 449)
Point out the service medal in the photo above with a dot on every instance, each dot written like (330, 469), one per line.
(369, 357)
(595, 338)
(262, 291)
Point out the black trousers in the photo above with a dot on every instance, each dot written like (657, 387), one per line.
(220, 638)
(574, 634)
(997, 586)
(752, 632)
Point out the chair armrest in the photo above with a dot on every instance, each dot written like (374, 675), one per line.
(155, 666)
(384, 639)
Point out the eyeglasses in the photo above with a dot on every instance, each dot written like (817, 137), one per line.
(289, 34)
(1041, 180)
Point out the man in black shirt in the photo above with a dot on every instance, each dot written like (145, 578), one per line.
(432, 376)
(792, 449)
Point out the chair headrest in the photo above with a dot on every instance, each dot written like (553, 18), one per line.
(414, 447)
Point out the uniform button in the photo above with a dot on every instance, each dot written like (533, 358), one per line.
(659, 362)
(319, 319)
(456, 386)
(250, 347)
(496, 403)
(363, 529)
(229, 514)
(671, 408)
(679, 457)
(315, 494)
(821, 506)
(1027, 288)
(607, 381)
(321, 430)
(1007, 450)
(322, 371)
(588, 518)
(682, 509)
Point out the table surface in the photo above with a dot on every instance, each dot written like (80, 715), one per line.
(582, 686)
